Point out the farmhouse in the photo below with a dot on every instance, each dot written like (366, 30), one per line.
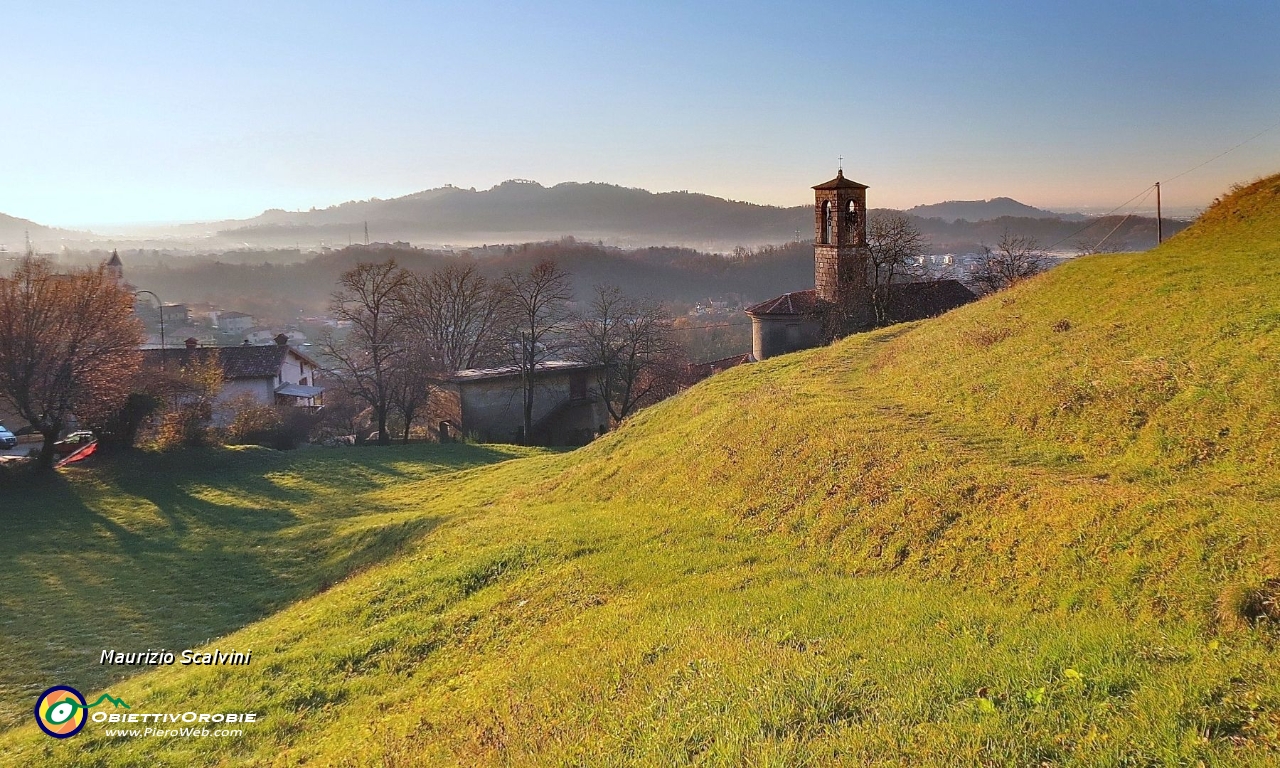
(840, 301)
(488, 404)
(278, 374)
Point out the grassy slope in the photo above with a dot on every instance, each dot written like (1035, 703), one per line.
(126, 557)
(976, 539)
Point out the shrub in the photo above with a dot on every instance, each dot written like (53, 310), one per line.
(274, 426)
(186, 426)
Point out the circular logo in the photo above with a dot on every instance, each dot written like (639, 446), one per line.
(61, 711)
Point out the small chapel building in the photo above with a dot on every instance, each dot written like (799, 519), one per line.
(840, 301)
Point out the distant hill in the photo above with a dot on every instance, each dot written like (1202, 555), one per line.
(14, 232)
(516, 211)
(985, 210)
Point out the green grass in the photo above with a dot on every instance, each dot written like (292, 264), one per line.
(167, 551)
(994, 538)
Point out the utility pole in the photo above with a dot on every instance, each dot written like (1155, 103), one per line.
(1159, 224)
(366, 233)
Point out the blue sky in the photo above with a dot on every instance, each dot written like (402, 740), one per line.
(162, 111)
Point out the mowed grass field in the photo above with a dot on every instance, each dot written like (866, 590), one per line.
(1041, 530)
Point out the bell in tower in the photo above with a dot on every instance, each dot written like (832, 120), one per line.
(840, 254)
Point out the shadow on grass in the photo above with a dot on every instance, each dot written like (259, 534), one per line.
(149, 551)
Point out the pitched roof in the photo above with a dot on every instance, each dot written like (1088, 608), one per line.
(115, 260)
(840, 182)
(695, 372)
(916, 301)
(237, 362)
(794, 303)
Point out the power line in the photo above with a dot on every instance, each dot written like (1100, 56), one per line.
(1266, 130)
(717, 325)
(1128, 216)
(1145, 191)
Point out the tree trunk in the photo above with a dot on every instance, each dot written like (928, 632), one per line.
(44, 462)
(383, 437)
(528, 413)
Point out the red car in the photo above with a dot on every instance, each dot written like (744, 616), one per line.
(73, 442)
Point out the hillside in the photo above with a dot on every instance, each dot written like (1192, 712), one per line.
(1039, 530)
(14, 232)
(517, 211)
(985, 210)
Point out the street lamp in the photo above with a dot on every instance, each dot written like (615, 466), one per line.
(159, 306)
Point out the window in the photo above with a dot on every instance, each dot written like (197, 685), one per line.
(793, 334)
(826, 221)
(578, 385)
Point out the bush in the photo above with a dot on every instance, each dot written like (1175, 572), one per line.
(186, 426)
(120, 429)
(274, 426)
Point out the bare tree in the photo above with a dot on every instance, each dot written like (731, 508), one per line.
(895, 244)
(633, 346)
(455, 312)
(411, 381)
(535, 309)
(68, 346)
(1015, 258)
(371, 297)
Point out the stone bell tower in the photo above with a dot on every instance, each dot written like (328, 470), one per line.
(840, 255)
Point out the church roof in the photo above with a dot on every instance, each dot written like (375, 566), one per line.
(794, 303)
(917, 301)
(115, 260)
(840, 182)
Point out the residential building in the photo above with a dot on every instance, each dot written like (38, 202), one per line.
(278, 374)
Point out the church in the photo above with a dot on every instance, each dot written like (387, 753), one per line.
(840, 301)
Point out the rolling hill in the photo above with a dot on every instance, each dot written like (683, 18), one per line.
(1039, 530)
(984, 210)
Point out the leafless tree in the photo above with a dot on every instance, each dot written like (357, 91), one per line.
(895, 244)
(632, 343)
(412, 381)
(1015, 258)
(535, 309)
(371, 297)
(1085, 247)
(455, 312)
(68, 346)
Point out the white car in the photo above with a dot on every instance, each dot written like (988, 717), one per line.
(7, 438)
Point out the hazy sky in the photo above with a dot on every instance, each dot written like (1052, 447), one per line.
(157, 111)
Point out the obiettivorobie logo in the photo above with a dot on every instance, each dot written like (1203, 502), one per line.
(62, 711)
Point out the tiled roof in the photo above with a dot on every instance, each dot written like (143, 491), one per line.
(695, 372)
(237, 362)
(794, 303)
(916, 301)
(840, 182)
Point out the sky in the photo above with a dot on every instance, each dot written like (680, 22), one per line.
(133, 112)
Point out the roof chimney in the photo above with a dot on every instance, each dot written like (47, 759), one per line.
(191, 342)
(281, 340)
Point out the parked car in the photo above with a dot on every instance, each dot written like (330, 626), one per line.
(7, 438)
(73, 442)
